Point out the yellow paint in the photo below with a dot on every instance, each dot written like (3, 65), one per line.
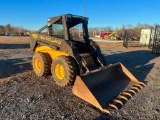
(38, 65)
(35, 36)
(53, 53)
(42, 37)
(59, 71)
(47, 38)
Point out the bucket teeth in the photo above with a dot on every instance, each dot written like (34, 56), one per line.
(122, 97)
(141, 83)
(118, 101)
(126, 93)
(113, 106)
(134, 88)
(132, 91)
(137, 85)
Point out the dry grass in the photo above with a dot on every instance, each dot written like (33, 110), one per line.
(10, 39)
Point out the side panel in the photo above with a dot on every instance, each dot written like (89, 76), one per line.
(65, 46)
(53, 53)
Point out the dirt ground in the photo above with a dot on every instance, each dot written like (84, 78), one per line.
(23, 95)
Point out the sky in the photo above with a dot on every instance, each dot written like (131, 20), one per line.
(33, 14)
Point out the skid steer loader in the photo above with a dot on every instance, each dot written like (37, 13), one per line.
(66, 51)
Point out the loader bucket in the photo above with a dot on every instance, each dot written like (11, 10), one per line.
(109, 87)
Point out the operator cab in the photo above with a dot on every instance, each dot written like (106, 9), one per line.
(72, 28)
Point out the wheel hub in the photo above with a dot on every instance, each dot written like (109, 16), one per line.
(59, 71)
(38, 65)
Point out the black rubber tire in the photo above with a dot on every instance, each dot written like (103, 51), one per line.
(70, 69)
(45, 61)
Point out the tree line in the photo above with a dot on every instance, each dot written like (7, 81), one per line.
(133, 30)
(11, 29)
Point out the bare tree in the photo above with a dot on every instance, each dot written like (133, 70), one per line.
(2, 30)
(8, 28)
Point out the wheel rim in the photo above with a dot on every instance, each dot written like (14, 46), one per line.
(59, 71)
(38, 64)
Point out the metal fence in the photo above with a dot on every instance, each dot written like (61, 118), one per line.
(129, 42)
(155, 43)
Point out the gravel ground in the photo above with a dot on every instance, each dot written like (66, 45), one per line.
(23, 95)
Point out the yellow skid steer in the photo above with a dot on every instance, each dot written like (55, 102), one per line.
(66, 52)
